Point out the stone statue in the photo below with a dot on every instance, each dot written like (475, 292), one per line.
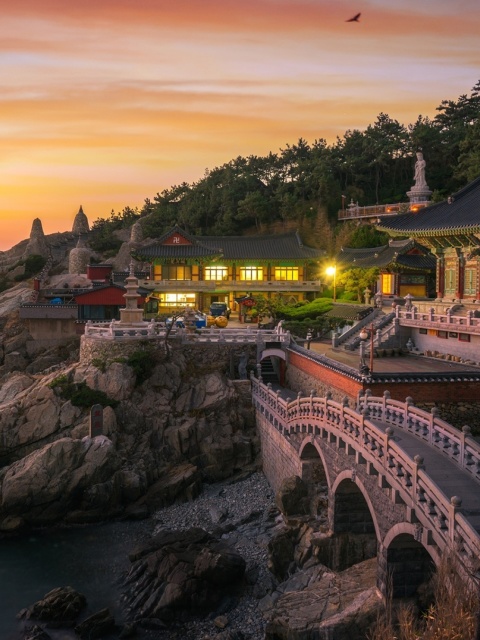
(420, 171)
(242, 367)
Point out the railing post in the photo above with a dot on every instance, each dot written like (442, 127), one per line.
(466, 433)
(431, 424)
(418, 464)
(386, 398)
(455, 504)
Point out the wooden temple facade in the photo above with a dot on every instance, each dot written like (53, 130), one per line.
(451, 230)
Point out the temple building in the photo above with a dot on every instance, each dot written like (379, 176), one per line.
(406, 267)
(451, 230)
(196, 271)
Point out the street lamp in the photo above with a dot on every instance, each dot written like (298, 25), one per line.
(363, 335)
(332, 271)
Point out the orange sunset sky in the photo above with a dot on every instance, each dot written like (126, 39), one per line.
(106, 102)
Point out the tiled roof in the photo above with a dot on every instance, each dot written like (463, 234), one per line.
(349, 311)
(286, 246)
(458, 214)
(272, 247)
(394, 252)
(177, 251)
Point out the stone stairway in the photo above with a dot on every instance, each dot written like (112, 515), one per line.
(382, 321)
(268, 372)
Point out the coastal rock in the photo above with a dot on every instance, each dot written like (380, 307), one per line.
(15, 386)
(62, 605)
(324, 605)
(181, 571)
(291, 497)
(46, 484)
(182, 482)
(96, 626)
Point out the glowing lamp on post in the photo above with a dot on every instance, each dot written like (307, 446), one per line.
(332, 271)
(363, 335)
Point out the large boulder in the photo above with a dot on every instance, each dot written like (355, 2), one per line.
(62, 606)
(318, 603)
(180, 571)
(292, 497)
(46, 484)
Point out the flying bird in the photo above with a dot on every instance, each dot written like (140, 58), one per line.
(355, 18)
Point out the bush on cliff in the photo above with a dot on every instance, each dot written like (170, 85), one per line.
(80, 394)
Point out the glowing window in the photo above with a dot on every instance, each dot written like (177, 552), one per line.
(215, 273)
(251, 273)
(177, 272)
(387, 283)
(286, 273)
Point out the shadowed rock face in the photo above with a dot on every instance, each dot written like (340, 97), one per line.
(180, 427)
(177, 571)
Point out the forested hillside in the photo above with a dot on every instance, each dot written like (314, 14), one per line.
(303, 183)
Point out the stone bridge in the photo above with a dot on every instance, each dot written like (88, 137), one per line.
(394, 472)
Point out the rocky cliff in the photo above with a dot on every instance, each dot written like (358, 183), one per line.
(185, 424)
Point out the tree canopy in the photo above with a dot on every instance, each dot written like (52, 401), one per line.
(305, 181)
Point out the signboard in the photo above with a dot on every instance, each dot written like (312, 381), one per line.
(247, 301)
(96, 420)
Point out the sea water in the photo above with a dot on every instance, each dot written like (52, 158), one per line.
(91, 559)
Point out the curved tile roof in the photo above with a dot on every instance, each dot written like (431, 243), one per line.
(286, 246)
(459, 214)
(394, 252)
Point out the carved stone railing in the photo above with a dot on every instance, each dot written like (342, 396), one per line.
(444, 322)
(407, 476)
(456, 445)
(116, 330)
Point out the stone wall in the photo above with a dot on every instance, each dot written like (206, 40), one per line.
(304, 375)
(223, 357)
(279, 458)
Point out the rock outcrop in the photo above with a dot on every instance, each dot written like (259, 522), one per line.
(161, 439)
(181, 572)
(319, 603)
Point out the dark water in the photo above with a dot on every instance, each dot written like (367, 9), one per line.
(91, 559)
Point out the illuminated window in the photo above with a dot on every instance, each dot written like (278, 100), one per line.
(177, 300)
(387, 283)
(251, 273)
(216, 273)
(177, 272)
(286, 273)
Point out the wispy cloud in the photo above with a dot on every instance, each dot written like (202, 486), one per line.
(107, 102)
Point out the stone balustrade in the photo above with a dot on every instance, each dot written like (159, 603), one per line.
(116, 330)
(431, 320)
(367, 433)
(459, 446)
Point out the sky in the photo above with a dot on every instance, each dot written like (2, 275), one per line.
(105, 103)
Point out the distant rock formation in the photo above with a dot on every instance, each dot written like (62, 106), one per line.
(80, 223)
(79, 257)
(136, 234)
(37, 245)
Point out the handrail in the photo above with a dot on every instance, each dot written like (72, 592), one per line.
(355, 211)
(405, 474)
(442, 321)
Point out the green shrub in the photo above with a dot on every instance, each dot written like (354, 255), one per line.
(142, 363)
(80, 394)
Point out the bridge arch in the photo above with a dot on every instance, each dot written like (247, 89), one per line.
(348, 487)
(311, 455)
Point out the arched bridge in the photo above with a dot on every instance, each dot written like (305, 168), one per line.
(396, 472)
